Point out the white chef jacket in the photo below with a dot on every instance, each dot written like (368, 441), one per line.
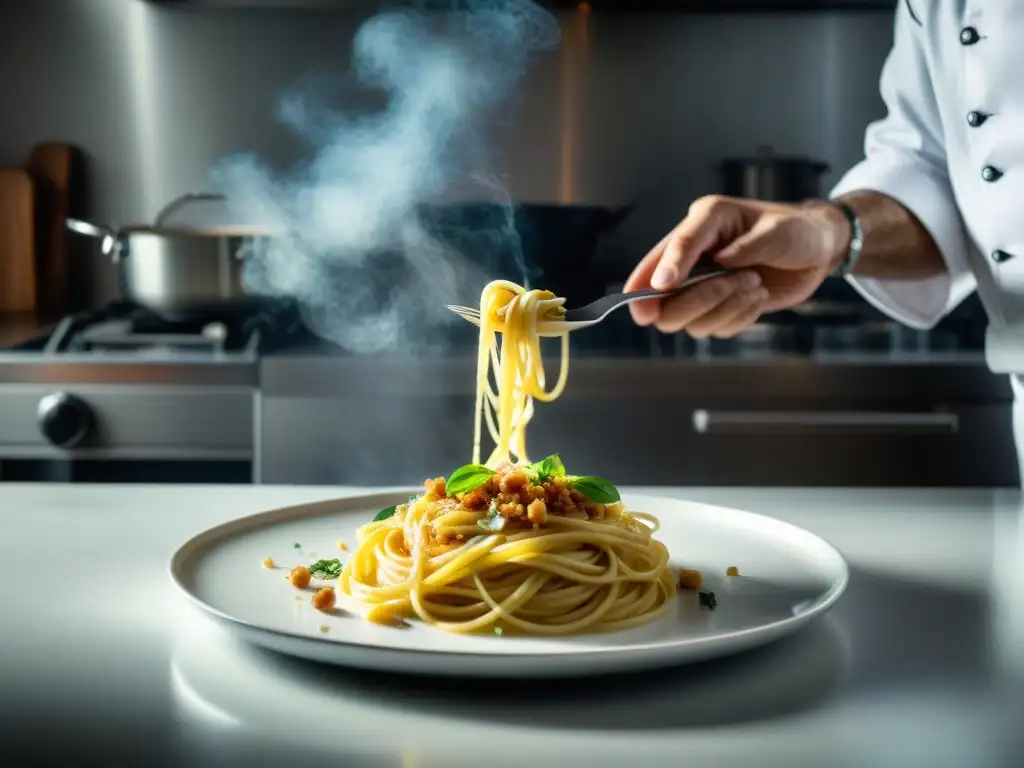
(951, 150)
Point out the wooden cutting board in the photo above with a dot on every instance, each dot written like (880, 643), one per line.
(17, 241)
(51, 166)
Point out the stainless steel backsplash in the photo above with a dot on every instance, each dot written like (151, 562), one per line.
(635, 108)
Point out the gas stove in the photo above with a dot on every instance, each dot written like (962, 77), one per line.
(119, 393)
(128, 333)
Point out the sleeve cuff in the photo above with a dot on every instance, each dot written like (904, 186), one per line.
(919, 304)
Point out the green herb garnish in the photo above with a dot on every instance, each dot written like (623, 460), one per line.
(547, 469)
(325, 569)
(495, 521)
(384, 514)
(499, 631)
(467, 478)
(297, 545)
(708, 599)
(596, 489)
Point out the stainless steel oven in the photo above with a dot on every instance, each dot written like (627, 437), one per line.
(121, 395)
(762, 420)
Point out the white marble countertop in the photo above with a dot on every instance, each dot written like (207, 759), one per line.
(920, 664)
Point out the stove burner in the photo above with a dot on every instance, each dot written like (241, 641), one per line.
(124, 329)
(120, 335)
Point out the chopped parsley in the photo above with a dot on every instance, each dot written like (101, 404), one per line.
(325, 569)
(708, 599)
(297, 545)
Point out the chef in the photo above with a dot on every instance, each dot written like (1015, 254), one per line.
(934, 211)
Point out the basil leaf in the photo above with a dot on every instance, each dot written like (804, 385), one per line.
(548, 468)
(596, 489)
(325, 569)
(467, 478)
(384, 514)
(495, 521)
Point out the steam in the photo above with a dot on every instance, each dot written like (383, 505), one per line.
(368, 262)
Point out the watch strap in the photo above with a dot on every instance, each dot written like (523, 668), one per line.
(856, 245)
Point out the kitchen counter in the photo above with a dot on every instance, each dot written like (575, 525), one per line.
(920, 663)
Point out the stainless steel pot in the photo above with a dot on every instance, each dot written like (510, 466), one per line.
(177, 270)
(771, 177)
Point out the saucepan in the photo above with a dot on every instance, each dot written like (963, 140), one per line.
(180, 271)
(772, 177)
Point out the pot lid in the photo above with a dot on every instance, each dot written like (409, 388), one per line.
(185, 230)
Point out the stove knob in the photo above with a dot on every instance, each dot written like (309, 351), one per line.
(63, 419)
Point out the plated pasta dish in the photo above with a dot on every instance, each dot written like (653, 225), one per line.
(505, 544)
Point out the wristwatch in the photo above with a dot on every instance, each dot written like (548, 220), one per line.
(853, 250)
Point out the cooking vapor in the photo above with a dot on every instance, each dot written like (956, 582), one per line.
(357, 252)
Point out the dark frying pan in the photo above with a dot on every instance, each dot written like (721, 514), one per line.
(549, 246)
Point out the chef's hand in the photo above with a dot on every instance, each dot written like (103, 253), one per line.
(780, 254)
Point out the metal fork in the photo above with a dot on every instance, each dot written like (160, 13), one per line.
(596, 311)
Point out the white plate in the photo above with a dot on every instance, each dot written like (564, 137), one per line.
(788, 577)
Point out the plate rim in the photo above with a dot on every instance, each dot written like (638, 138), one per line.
(774, 628)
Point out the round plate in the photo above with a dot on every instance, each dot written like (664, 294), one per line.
(788, 577)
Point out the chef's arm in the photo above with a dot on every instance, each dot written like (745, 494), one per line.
(903, 193)
(897, 246)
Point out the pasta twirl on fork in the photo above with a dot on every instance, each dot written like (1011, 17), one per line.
(514, 312)
(510, 545)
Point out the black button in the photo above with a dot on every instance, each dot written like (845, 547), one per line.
(1000, 256)
(969, 36)
(976, 118)
(991, 173)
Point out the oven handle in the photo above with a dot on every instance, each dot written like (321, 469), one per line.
(707, 422)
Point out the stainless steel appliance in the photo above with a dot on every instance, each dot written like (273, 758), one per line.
(178, 270)
(781, 405)
(123, 394)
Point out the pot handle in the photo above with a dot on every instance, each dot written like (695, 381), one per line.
(111, 245)
(92, 230)
(178, 202)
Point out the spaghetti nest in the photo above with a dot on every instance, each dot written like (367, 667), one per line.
(516, 553)
(508, 544)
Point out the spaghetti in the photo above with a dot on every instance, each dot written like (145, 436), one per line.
(510, 545)
(518, 369)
